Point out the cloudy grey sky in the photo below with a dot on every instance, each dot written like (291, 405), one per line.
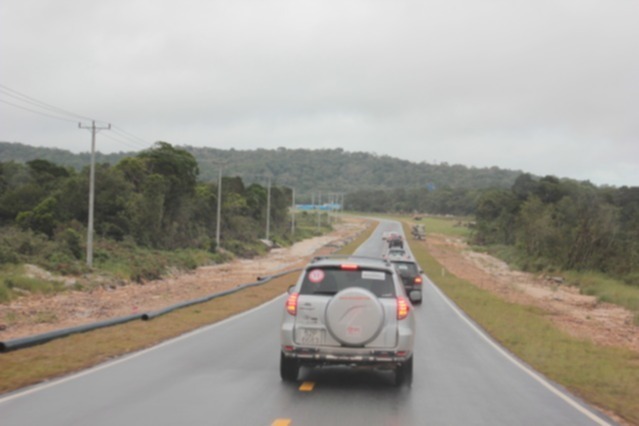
(544, 86)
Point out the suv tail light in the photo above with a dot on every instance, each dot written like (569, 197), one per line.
(403, 307)
(291, 303)
(349, 267)
(418, 280)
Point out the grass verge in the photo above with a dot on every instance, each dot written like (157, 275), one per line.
(606, 377)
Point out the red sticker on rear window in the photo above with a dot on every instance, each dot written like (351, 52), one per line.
(316, 276)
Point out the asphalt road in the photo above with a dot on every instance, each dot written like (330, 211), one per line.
(228, 374)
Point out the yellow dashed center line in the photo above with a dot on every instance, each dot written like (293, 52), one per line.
(304, 387)
(307, 386)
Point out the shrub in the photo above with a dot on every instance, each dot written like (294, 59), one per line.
(64, 263)
(245, 249)
(7, 255)
(632, 279)
(185, 259)
(21, 242)
(5, 293)
(145, 268)
(31, 284)
(72, 240)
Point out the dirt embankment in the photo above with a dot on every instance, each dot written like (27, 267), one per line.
(577, 314)
(35, 314)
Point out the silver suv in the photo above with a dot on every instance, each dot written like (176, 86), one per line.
(348, 310)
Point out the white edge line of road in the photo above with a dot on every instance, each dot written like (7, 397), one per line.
(536, 376)
(124, 358)
(521, 365)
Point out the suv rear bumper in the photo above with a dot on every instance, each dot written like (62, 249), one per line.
(401, 351)
(367, 357)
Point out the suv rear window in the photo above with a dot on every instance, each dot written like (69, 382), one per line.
(396, 252)
(406, 268)
(329, 281)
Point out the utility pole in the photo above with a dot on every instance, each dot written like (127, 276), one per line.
(268, 209)
(332, 214)
(94, 130)
(219, 210)
(319, 210)
(221, 164)
(293, 213)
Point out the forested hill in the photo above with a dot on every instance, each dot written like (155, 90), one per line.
(303, 169)
(22, 153)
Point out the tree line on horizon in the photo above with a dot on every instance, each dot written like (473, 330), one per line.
(308, 171)
(549, 222)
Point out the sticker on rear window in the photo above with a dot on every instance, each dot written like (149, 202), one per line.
(316, 276)
(373, 275)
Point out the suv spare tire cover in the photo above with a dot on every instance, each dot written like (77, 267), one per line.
(354, 316)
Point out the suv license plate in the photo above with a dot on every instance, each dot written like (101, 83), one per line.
(310, 336)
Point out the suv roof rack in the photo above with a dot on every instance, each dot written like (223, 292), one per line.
(348, 256)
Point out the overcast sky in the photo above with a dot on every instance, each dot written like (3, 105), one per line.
(543, 86)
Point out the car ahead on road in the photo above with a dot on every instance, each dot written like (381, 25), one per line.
(396, 253)
(395, 239)
(411, 275)
(348, 310)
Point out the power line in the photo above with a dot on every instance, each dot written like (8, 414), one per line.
(129, 135)
(40, 104)
(126, 138)
(124, 142)
(60, 115)
(38, 112)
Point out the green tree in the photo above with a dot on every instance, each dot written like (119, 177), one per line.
(535, 231)
(145, 210)
(45, 173)
(496, 215)
(41, 218)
